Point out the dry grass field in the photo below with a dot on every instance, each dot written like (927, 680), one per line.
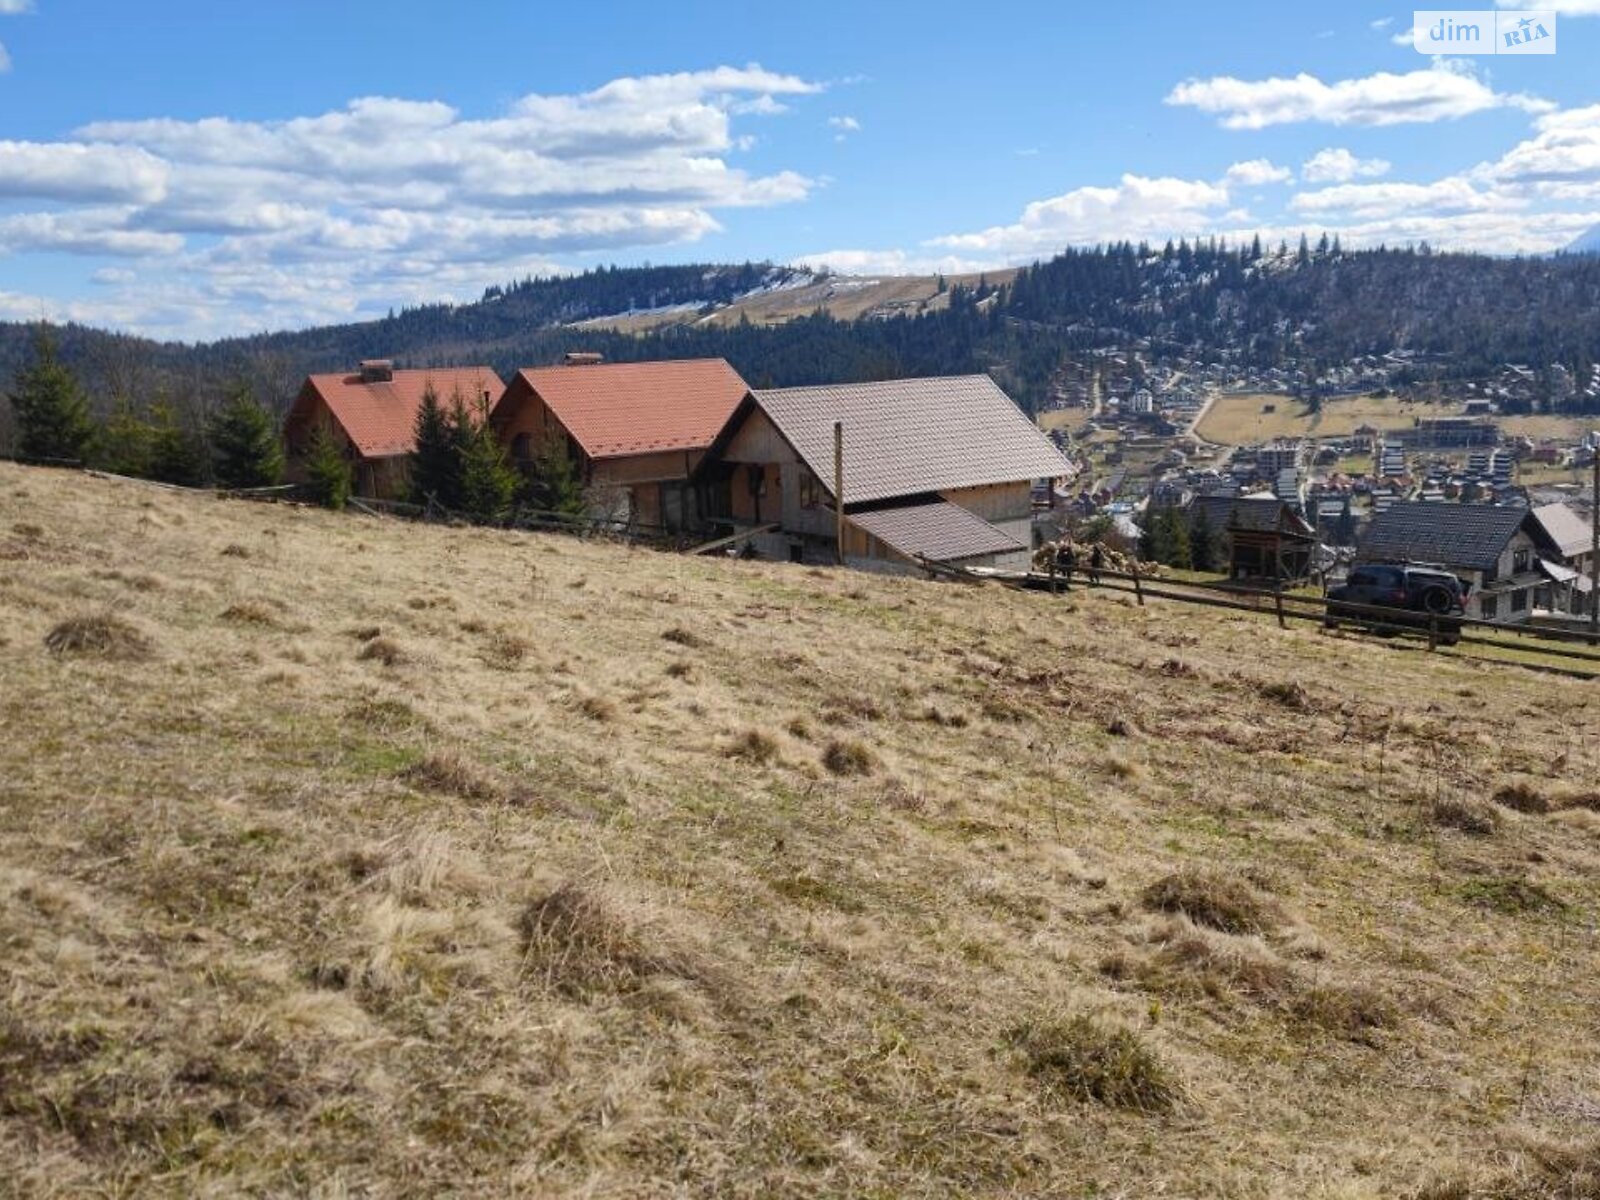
(1566, 429)
(341, 857)
(1238, 419)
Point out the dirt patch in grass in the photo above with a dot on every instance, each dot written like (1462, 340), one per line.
(1217, 901)
(102, 636)
(1080, 1057)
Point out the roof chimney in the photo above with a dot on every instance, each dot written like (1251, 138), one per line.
(377, 370)
(583, 358)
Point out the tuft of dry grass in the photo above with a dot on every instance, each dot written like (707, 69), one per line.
(754, 745)
(383, 650)
(99, 636)
(578, 944)
(249, 612)
(1466, 816)
(598, 708)
(848, 756)
(1521, 796)
(234, 550)
(1083, 1058)
(1217, 901)
(453, 774)
(687, 638)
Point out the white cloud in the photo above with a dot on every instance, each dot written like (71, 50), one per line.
(891, 262)
(1257, 171)
(1138, 207)
(72, 171)
(1435, 94)
(389, 201)
(10, 8)
(1338, 165)
(1381, 23)
(1565, 148)
(1371, 200)
(843, 127)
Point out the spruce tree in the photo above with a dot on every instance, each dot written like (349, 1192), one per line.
(246, 452)
(176, 454)
(435, 464)
(52, 413)
(125, 444)
(554, 485)
(328, 475)
(1203, 542)
(488, 481)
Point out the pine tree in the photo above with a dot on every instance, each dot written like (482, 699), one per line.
(51, 410)
(328, 475)
(176, 454)
(488, 481)
(1180, 554)
(435, 465)
(246, 452)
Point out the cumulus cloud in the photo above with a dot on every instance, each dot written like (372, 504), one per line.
(1338, 165)
(1369, 200)
(844, 124)
(1564, 149)
(388, 200)
(1442, 92)
(1257, 171)
(1139, 206)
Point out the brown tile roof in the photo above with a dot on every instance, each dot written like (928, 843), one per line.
(379, 418)
(911, 436)
(619, 409)
(935, 529)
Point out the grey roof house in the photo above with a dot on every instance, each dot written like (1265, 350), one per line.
(939, 468)
(1572, 585)
(1496, 549)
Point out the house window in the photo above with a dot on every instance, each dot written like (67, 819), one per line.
(1491, 607)
(1519, 600)
(1522, 560)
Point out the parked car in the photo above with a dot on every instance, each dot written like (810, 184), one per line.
(1391, 594)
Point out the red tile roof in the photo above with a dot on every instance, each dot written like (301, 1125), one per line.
(619, 409)
(379, 418)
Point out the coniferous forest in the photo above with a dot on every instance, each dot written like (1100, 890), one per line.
(1308, 307)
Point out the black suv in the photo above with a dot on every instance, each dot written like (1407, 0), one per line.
(1418, 596)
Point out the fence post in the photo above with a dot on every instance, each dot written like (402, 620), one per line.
(1277, 602)
(1052, 573)
(1138, 588)
(1433, 632)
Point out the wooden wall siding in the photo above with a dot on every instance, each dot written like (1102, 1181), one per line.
(757, 440)
(670, 466)
(996, 502)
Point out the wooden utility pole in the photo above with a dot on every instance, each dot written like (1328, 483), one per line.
(838, 489)
(1594, 549)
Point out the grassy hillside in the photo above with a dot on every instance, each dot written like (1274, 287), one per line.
(353, 858)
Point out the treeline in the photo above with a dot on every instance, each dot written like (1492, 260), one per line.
(459, 465)
(1306, 307)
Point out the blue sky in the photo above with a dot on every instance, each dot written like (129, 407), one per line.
(189, 170)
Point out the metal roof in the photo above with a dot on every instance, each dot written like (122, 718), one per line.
(380, 417)
(620, 409)
(935, 529)
(1258, 514)
(910, 436)
(1565, 528)
(1472, 536)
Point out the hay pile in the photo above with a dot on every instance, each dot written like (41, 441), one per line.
(1115, 560)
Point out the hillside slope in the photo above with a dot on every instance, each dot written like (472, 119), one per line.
(346, 857)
